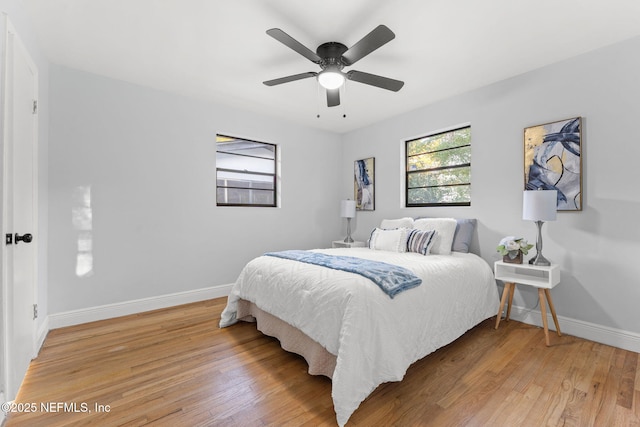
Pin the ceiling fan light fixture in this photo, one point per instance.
(331, 79)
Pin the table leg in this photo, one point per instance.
(512, 288)
(553, 311)
(506, 292)
(543, 311)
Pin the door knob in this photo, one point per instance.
(27, 238)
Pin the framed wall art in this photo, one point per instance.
(363, 184)
(553, 161)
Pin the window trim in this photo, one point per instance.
(250, 172)
(407, 172)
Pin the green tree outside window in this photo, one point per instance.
(439, 169)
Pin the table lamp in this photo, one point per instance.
(348, 210)
(539, 206)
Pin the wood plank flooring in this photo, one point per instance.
(175, 367)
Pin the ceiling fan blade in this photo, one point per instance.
(288, 79)
(380, 36)
(333, 97)
(294, 44)
(375, 80)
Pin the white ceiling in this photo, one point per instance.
(219, 49)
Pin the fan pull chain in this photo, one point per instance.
(318, 99)
(344, 98)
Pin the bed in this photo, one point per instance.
(346, 327)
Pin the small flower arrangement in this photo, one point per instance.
(512, 248)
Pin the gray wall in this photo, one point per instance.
(148, 160)
(597, 247)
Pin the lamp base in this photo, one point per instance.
(348, 239)
(539, 260)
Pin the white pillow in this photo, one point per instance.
(389, 240)
(445, 229)
(388, 224)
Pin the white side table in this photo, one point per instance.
(542, 277)
(343, 244)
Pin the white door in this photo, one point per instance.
(19, 209)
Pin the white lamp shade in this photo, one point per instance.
(539, 205)
(348, 208)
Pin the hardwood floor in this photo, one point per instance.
(175, 367)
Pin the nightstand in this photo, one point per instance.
(542, 277)
(343, 244)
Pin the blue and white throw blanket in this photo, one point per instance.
(392, 279)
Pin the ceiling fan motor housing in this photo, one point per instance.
(331, 54)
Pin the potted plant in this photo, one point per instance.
(512, 249)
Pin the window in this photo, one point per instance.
(245, 172)
(439, 169)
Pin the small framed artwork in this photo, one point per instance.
(553, 161)
(363, 184)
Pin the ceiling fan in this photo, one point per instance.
(332, 57)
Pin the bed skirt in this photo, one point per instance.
(320, 361)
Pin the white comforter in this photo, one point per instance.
(374, 337)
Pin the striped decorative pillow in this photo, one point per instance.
(420, 241)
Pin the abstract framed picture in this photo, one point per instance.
(553, 161)
(363, 184)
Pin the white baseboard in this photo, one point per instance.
(42, 332)
(91, 314)
(598, 333)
